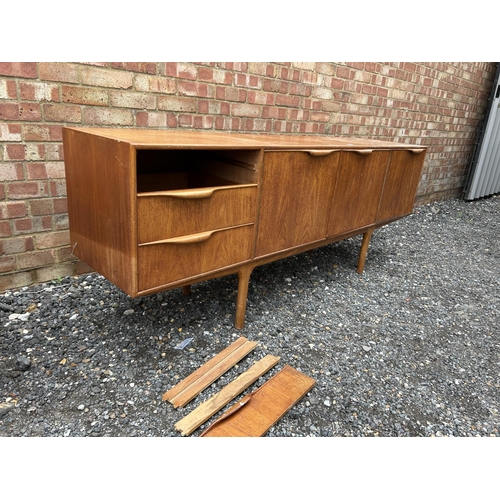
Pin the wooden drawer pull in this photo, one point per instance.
(183, 240)
(364, 152)
(321, 152)
(183, 194)
(417, 151)
(192, 194)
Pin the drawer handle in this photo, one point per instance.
(417, 151)
(321, 152)
(182, 240)
(364, 152)
(191, 194)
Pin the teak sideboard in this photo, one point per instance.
(152, 210)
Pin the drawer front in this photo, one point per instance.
(169, 214)
(162, 263)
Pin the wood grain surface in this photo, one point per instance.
(401, 184)
(100, 182)
(175, 139)
(263, 407)
(167, 214)
(200, 379)
(168, 261)
(358, 189)
(296, 193)
(205, 410)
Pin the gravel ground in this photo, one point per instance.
(409, 348)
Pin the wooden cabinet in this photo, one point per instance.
(153, 210)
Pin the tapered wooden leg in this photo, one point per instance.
(186, 289)
(364, 249)
(241, 304)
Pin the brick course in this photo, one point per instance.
(439, 105)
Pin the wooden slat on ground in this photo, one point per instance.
(205, 410)
(259, 411)
(209, 372)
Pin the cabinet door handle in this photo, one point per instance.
(321, 152)
(183, 240)
(364, 152)
(417, 151)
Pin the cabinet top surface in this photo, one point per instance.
(174, 139)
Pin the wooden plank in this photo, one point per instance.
(211, 406)
(200, 379)
(255, 414)
(212, 375)
(183, 384)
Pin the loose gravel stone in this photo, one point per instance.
(408, 348)
(23, 363)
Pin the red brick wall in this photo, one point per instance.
(435, 104)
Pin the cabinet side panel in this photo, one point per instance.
(401, 183)
(100, 179)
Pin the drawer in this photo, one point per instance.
(168, 214)
(164, 262)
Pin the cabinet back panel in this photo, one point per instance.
(178, 180)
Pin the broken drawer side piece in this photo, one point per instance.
(211, 406)
(191, 386)
(255, 414)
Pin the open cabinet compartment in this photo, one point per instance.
(199, 204)
(168, 170)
